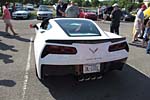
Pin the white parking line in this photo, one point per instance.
(26, 76)
(138, 70)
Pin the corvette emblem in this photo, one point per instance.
(93, 50)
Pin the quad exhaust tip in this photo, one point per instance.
(82, 78)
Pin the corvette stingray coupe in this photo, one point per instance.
(77, 46)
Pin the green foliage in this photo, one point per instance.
(140, 1)
(95, 3)
(46, 2)
(33, 14)
(149, 4)
(123, 3)
(79, 2)
(86, 3)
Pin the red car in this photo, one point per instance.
(88, 13)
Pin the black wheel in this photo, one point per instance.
(42, 75)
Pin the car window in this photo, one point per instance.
(49, 26)
(79, 27)
(29, 5)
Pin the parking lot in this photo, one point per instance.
(18, 79)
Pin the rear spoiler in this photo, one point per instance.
(86, 41)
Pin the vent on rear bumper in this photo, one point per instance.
(119, 46)
(55, 49)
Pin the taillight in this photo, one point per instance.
(119, 46)
(54, 49)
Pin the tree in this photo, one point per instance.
(95, 3)
(79, 2)
(86, 3)
(123, 3)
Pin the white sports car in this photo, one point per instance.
(77, 46)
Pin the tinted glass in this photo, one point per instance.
(79, 27)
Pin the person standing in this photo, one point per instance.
(146, 37)
(138, 23)
(115, 19)
(72, 11)
(148, 46)
(7, 17)
(100, 12)
(60, 11)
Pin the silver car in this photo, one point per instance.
(21, 13)
(44, 12)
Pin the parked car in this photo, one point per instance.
(127, 16)
(77, 46)
(88, 13)
(21, 14)
(30, 6)
(44, 12)
(18, 6)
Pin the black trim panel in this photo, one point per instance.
(86, 41)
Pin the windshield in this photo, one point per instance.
(21, 9)
(79, 27)
(44, 9)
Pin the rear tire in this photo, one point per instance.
(42, 74)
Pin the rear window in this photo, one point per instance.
(79, 27)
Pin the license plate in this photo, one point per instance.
(91, 68)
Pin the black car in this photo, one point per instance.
(126, 16)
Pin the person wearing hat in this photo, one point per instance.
(138, 24)
(115, 19)
(7, 17)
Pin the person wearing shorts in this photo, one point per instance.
(138, 24)
(7, 17)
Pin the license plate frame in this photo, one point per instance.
(91, 68)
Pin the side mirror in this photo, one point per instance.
(34, 26)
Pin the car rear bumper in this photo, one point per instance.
(71, 69)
